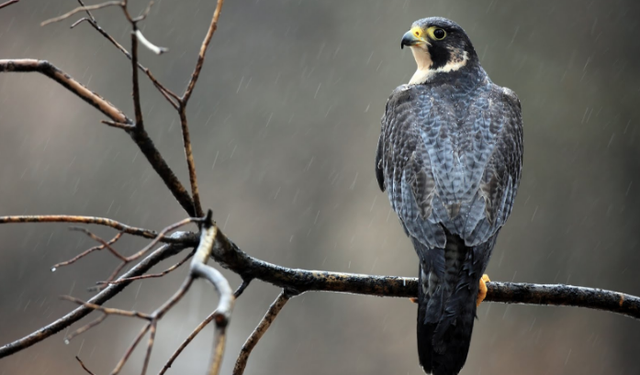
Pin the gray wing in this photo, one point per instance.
(444, 169)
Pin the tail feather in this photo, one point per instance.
(443, 340)
(447, 307)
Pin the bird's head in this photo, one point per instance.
(438, 45)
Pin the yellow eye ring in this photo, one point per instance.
(436, 33)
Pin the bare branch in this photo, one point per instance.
(197, 330)
(81, 9)
(152, 337)
(86, 252)
(46, 68)
(220, 341)
(199, 268)
(203, 50)
(261, 329)
(139, 135)
(109, 310)
(154, 258)
(191, 164)
(85, 328)
(171, 97)
(145, 13)
(299, 281)
(129, 259)
(6, 4)
(103, 242)
(130, 349)
(564, 295)
(83, 366)
(183, 108)
(134, 77)
(84, 220)
(150, 276)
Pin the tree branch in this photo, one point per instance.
(197, 330)
(146, 233)
(7, 3)
(182, 109)
(81, 9)
(168, 94)
(139, 135)
(203, 50)
(154, 258)
(259, 331)
(222, 313)
(299, 281)
(46, 68)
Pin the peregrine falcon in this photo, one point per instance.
(450, 158)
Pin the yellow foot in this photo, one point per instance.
(414, 300)
(482, 293)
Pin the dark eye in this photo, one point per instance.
(439, 34)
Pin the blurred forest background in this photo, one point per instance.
(284, 123)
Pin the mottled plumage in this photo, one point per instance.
(450, 158)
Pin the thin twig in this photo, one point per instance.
(259, 331)
(171, 97)
(108, 310)
(103, 242)
(84, 367)
(142, 232)
(203, 50)
(162, 235)
(145, 13)
(241, 288)
(152, 337)
(137, 108)
(6, 4)
(197, 330)
(46, 68)
(149, 276)
(143, 266)
(85, 328)
(156, 315)
(220, 341)
(139, 136)
(81, 9)
(130, 349)
(129, 259)
(183, 108)
(86, 252)
(191, 164)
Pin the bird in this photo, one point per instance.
(450, 157)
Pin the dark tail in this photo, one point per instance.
(446, 309)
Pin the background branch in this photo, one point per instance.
(139, 135)
(7, 3)
(143, 266)
(259, 331)
(85, 220)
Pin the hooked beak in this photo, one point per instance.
(409, 39)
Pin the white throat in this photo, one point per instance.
(424, 73)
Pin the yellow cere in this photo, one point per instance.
(417, 32)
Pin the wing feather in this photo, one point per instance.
(447, 168)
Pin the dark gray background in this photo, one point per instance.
(284, 122)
